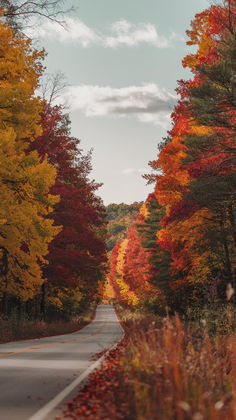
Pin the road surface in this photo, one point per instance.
(34, 372)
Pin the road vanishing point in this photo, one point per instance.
(38, 375)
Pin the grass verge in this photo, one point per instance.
(14, 329)
(164, 369)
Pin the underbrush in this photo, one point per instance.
(165, 370)
(218, 318)
(13, 328)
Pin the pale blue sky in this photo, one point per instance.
(122, 82)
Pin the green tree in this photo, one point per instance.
(160, 259)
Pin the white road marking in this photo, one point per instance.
(51, 405)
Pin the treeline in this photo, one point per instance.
(52, 224)
(181, 251)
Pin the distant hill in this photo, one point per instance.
(120, 217)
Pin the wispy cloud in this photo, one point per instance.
(147, 102)
(122, 33)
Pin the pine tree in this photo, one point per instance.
(159, 259)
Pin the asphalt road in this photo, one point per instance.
(34, 373)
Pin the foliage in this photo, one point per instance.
(129, 266)
(189, 222)
(26, 233)
(118, 211)
(25, 180)
(52, 224)
(159, 259)
(77, 256)
(20, 70)
(119, 217)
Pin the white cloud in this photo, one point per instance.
(122, 33)
(147, 102)
(126, 33)
(73, 30)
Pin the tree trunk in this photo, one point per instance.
(5, 303)
(226, 249)
(232, 221)
(43, 298)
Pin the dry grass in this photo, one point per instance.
(167, 371)
(14, 329)
(180, 373)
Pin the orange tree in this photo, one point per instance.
(196, 166)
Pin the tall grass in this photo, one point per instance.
(179, 373)
(168, 370)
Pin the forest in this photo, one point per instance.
(180, 251)
(52, 223)
(167, 264)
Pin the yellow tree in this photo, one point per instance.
(24, 203)
(25, 180)
(20, 69)
(127, 295)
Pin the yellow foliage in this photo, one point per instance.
(199, 36)
(192, 231)
(121, 256)
(100, 290)
(20, 69)
(200, 130)
(127, 295)
(144, 210)
(25, 181)
(109, 292)
(24, 203)
(58, 297)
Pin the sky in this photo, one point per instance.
(121, 60)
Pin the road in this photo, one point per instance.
(34, 372)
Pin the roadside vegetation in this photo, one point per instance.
(14, 328)
(165, 368)
(173, 269)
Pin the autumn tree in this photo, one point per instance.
(25, 180)
(129, 266)
(20, 70)
(195, 182)
(113, 269)
(25, 233)
(211, 157)
(159, 259)
(77, 256)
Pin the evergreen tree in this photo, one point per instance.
(159, 259)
